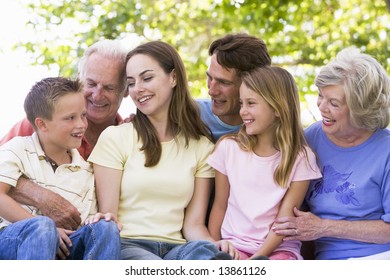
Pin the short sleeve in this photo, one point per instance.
(218, 158)
(11, 167)
(306, 168)
(204, 170)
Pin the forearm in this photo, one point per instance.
(197, 232)
(11, 210)
(270, 244)
(365, 231)
(215, 222)
(28, 193)
(49, 203)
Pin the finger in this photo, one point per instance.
(63, 251)
(237, 255)
(297, 212)
(286, 219)
(223, 247)
(120, 226)
(285, 232)
(60, 254)
(66, 239)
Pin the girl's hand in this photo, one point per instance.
(226, 246)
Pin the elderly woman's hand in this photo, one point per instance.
(304, 226)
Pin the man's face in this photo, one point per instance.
(224, 85)
(102, 88)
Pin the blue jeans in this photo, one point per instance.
(98, 241)
(135, 249)
(29, 239)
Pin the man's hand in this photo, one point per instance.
(61, 211)
(51, 204)
(129, 118)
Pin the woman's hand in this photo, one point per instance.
(107, 217)
(304, 226)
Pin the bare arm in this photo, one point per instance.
(194, 227)
(53, 205)
(218, 209)
(311, 227)
(293, 198)
(9, 208)
(108, 183)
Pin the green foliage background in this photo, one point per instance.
(301, 35)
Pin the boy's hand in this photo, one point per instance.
(65, 242)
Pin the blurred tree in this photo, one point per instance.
(301, 35)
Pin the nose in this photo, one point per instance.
(243, 110)
(97, 91)
(82, 122)
(213, 88)
(321, 104)
(137, 87)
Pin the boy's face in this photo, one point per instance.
(68, 124)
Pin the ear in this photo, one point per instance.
(173, 78)
(40, 124)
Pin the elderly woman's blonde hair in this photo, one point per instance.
(366, 86)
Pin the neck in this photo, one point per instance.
(58, 156)
(231, 119)
(161, 126)
(351, 140)
(265, 146)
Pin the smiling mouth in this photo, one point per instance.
(98, 105)
(247, 121)
(144, 99)
(327, 121)
(78, 135)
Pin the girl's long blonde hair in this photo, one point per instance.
(278, 88)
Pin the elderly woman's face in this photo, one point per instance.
(334, 111)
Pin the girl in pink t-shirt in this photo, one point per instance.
(263, 171)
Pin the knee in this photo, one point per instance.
(203, 244)
(42, 224)
(107, 228)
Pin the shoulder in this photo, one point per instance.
(125, 128)
(202, 142)
(313, 133)
(204, 104)
(313, 128)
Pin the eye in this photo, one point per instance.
(91, 84)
